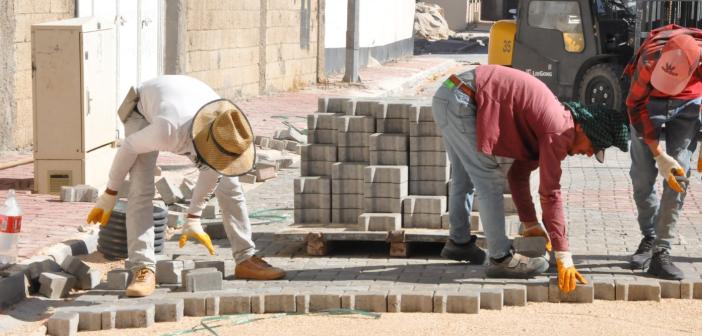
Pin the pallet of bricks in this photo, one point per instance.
(375, 169)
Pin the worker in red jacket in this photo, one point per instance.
(499, 111)
(666, 88)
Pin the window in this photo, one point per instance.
(559, 15)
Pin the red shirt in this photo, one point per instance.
(520, 118)
(640, 69)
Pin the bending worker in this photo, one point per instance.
(499, 111)
(183, 115)
(666, 89)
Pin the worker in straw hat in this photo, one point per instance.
(183, 115)
(496, 111)
(666, 88)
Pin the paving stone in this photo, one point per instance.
(347, 216)
(302, 303)
(321, 120)
(419, 302)
(328, 137)
(686, 289)
(315, 168)
(420, 220)
(202, 279)
(440, 302)
(90, 280)
(644, 291)
(13, 289)
(368, 107)
(312, 201)
(265, 142)
(427, 158)
(63, 323)
(168, 191)
(581, 294)
(247, 178)
(312, 185)
(670, 289)
(339, 104)
(169, 271)
(234, 304)
(358, 124)
(463, 303)
(389, 158)
(437, 188)
(530, 246)
(89, 317)
(414, 204)
(604, 290)
(314, 216)
(347, 171)
(94, 299)
(390, 125)
(109, 319)
(491, 298)
(427, 144)
(168, 309)
(264, 173)
(226, 267)
(348, 301)
(430, 173)
(344, 139)
(621, 290)
(186, 188)
(385, 174)
(277, 144)
(388, 142)
(175, 219)
(515, 295)
(380, 221)
(371, 301)
(280, 303)
(348, 187)
(258, 304)
(320, 302)
(354, 154)
(195, 306)
(424, 128)
(697, 289)
(345, 201)
(212, 305)
(211, 210)
(446, 221)
(395, 111)
(78, 193)
(382, 205)
(59, 252)
(135, 316)
(56, 285)
(312, 152)
(292, 146)
(421, 113)
(385, 190)
(394, 302)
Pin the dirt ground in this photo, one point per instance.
(668, 317)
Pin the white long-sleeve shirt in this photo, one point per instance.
(169, 104)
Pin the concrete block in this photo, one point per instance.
(418, 159)
(686, 289)
(604, 290)
(302, 303)
(345, 215)
(491, 298)
(313, 216)
(175, 219)
(202, 279)
(89, 317)
(463, 303)
(347, 187)
(354, 154)
(644, 291)
(394, 302)
(417, 302)
(424, 128)
(266, 142)
(344, 139)
(247, 178)
(382, 205)
(348, 301)
(358, 124)
(420, 220)
(59, 252)
(339, 104)
(264, 173)
(530, 246)
(168, 191)
(670, 289)
(380, 221)
(388, 158)
(280, 303)
(321, 121)
(315, 168)
(367, 107)
(258, 139)
(35, 266)
(277, 144)
(281, 134)
(430, 173)
(234, 304)
(537, 290)
(118, 279)
(446, 221)
(312, 201)
(211, 210)
(421, 113)
(427, 144)
(63, 323)
(515, 295)
(212, 305)
(90, 280)
(80, 270)
(285, 162)
(388, 142)
(347, 171)
(168, 309)
(258, 304)
(392, 126)
(169, 271)
(186, 188)
(322, 104)
(346, 201)
(395, 111)
(371, 301)
(440, 304)
(436, 188)
(79, 193)
(385, 174)
(435, 205)
(292, 146)
(56, 285)
(621, 290)
(697, 289)
(385, 190)
(135, 316)
(320, 302)
(109, 319)
(328, 137)
(195, 306)
(581, 294)
(226, 267)
(312, 185)
(313, 152)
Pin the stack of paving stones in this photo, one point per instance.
(347, 192)
(312, 200)
(384, 189)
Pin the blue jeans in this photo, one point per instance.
(657, 218)
(471, 170)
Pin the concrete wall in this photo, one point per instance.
(386, 30)
(16, 18)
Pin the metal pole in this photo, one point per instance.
(352, 48)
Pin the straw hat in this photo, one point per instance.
(223, 138)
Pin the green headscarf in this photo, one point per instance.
(604, 127)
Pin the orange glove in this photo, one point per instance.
(567, 274)
(537, 230)
(102, 210)
(193, 229)
(669, 168)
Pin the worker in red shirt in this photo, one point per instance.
(496, 111)
(666, 89)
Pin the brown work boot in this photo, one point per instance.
(143, 283)
(256, 268)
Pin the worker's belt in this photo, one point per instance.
(454, 82)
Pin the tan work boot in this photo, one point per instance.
(256, 268)
(143, 283)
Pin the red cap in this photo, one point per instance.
(679, 59)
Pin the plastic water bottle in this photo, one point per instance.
(10, 225)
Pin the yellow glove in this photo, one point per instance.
(567, 274)
(193, 229)
(668, 168)
(537, 230)
(102, 210)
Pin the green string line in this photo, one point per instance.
(268, 215)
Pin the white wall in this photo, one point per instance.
(381, 22)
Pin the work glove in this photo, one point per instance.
(102, 210)
(567, 274)
(193, 229)
(669, 169)
(538, 230)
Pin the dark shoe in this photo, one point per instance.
(464, 252)
(517, 266)
(662, 267)
(643, 253)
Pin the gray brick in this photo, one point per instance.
(186, 188)
(347, 216)
(392, 126)
(168, 310)
(424, 128)
(55, 285)
(63, 323)
(644, 291)
(581, 294)
(446, 221)
(195, 306)
(258, 304)
(313, 216)
(168, 191)
(697, 289)
(169, 271)
(670, 289)
(312, 201)
(382, 205)
(491, 298)
(292, 146)
(388, 142)
(135, 316)
(394, 302)
(118, 279)
(427, 144)
(417, 302)
(265, 142)
(258, 139)
(421, 113)
(277, 144)
(367, 107)
(440, 304)
(371, 301)
(344, 139)
(621, 290)
(530, 246)
(322, 104)
(175, 219)
(109, 319)
(385, 174)
(389, 158)
(385, 190)
(515, 295)
(212, 305)
(397, 111)
(202, 279)
(430, 173)
(226, 267)
(319, 302)
(435, 205)
(346, 201)
(604, 290)
(234, 304)
(86, 277)
(339, 104)
(328, 137)
(89, 317)
(436, 188)
(212, 210)
(358, 124)
(347, 187)
(420, 220)
(91, 280)
(354, 154)
(59, 252)
(318, 152)
(280, 303)
(79, 193)
(312, 185)
(348, 301)
(380, 221)
(537, 290)
(315, 168)
(318, 121)
(686, 289)
(302, 303)
(347, 171)
(428, 159)
(463, 303)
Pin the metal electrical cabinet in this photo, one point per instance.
(73, 64)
